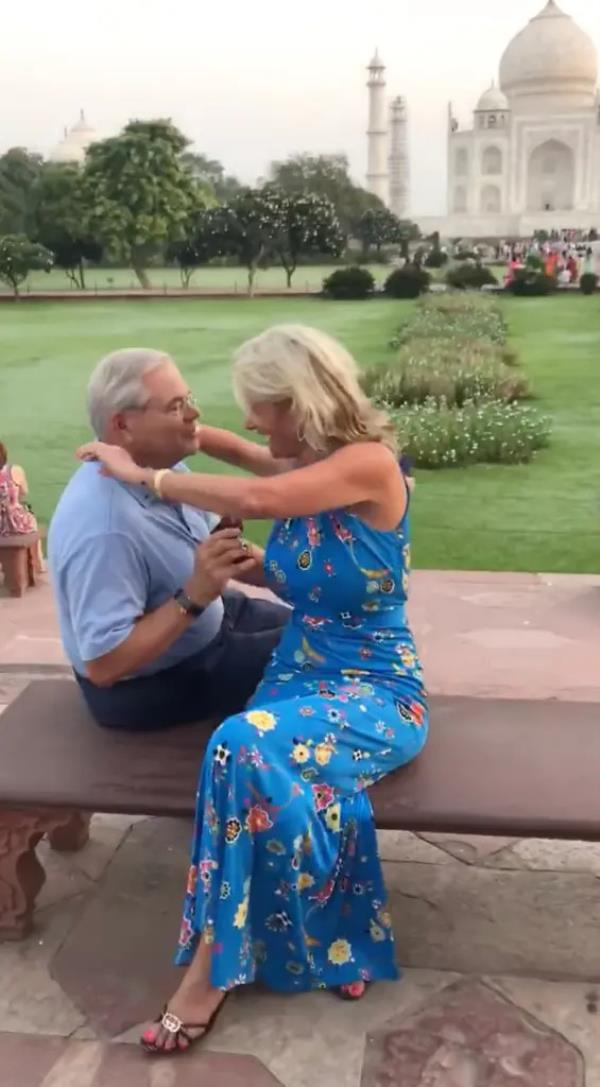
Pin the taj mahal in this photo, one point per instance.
(531, 158)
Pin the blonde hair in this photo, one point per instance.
(319, 378)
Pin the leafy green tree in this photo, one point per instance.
(200, 243)
(309, 224)
(139, 191)
(247, 228)
(211, 173)
(60, 216)
(19, 170)
(18, 257)
(328, 176)
(379, 227)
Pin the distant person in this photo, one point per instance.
(564, 277)
(16, 516)
(573, 268)
(551, 265)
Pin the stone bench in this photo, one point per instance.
(491, 766)
(19, 561)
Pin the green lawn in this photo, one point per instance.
(542, 516)
(307, 278)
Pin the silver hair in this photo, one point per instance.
(117, 384)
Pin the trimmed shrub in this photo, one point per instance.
(459, 316)
(447, 371)
(408, 282)
(588, 283)
(469, 276)
(534, 263)
(492, 432)
(436, 258)
(527, 283)
(349, 283)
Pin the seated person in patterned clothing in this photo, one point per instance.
(148, 623)
(285, 886)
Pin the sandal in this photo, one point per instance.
(178, 1030)
(354, 991)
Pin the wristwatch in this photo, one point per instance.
(187, 605)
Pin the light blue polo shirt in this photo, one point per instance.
(116, 552)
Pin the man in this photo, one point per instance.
(153, 634)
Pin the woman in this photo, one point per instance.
(16, 519)
(285, 884)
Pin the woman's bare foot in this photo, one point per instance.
(194, 1004)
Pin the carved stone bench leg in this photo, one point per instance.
(21, 874)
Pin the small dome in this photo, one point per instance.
(66, 151)
(550, 55)
(75, 142)
(82, 133)
(493, 99)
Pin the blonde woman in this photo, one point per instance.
(285, 885)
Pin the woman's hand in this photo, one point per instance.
(115, 461)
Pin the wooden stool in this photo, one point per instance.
(20, 561)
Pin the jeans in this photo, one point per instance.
(215, 682)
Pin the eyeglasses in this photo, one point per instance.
(177, 407)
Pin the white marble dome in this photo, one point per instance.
(82, 133)
(550, 55)
(493, 99)
(67, 151)
(76, 140)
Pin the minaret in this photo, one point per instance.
(377, 175)
(399, 174)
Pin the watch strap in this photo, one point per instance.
(187, 605)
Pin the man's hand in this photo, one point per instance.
(224, 555)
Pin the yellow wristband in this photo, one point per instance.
(157, 480)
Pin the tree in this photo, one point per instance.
(139, 191)
(309, 224)
(211, 173)
(379, 226)
(18, 257)
(247, 228)
(328, 176)
(200, 243)
(61, 220)
(19, 170)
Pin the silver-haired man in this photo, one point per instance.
(154, 635)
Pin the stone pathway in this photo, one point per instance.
(498, 937)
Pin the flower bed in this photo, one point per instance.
(455, 388)
(491, 432)
(449, 370)
(449, 316)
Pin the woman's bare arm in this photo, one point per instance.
(225, 446)
(357, 475)
(20, 479)
(365, 476)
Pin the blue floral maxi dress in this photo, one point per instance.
(285, 881)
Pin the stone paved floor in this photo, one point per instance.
(498, 937)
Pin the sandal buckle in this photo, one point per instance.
(171, 1023)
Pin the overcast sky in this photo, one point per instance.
(253, 80)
